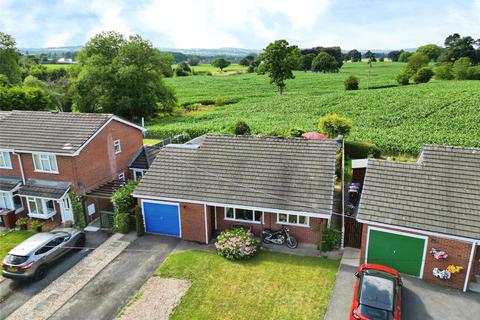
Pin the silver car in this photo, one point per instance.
(32, 258)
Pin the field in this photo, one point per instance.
(57, 66)
(396, 118)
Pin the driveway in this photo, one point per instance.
(14, 294)
(105, 295)
(422, 300)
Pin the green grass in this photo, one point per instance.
(149, 142)
(11, 239)
(396, 118)
(269, 286)
(52, 66)
(216, 71)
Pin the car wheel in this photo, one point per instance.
(41, 272)
(80, 242)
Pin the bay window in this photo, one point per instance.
(243, 215)
(45, 162)
(40, 208)
(5, 162)
(292, 219)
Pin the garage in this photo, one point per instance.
(161, 218)
(402, 251)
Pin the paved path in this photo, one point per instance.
(45, 303)
(105, 295)
(342, 295)
(13, 293)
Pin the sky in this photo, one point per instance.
(248, 24)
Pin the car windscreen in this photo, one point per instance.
(375, 314)
(15, 260)
(377, 292)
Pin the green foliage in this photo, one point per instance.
(458, 47)
(423, 75)
(121, 222)
(140, 228)
(460, 68)
(219, 101)
(306, 61)
(403, 57)
(194, 61)
(4, 80)
(296, 132)
(33, 82)
(432, 51)
(444, 71)
(361, 150)
(36, 224)
(278, 61)
(17, 98)
(247, 60)
(333, 125)
(8, 59)
(415, 62)
(183, 70)
(354, 55)
(77, 209)
(242, 128)
(122, 198)
(403, 78)
(324, 62)
(220, 63)
(236, 244)
(330, 239)
(351, 83)
(395, 55)
(123, 76)
(474, 73)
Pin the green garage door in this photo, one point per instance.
(400, 252)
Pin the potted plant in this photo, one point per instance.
(36, 225)
(22, 223)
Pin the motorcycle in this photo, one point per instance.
(279, 237)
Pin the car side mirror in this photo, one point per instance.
(357, 274)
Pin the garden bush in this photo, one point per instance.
(121, 222)
(77, 209)
(296, 132)
(351, 83)
(403, 78)
(460, 68)
(242, 128)
(444, 72)
(333, 125)
(423, 75)
(361, 150)
(330, 239)
(123, 202)
(139, 222)
(236, 244)
(474, 73)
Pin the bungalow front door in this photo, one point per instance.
(66, 207)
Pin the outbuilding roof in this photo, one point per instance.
(261, 172)
(144, 157)
(439, 193)
(55, 132)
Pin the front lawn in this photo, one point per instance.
(11, 239)
(269, 286)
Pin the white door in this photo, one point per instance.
(67, 212)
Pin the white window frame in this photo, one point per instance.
(121, 177)
(116, 144)
(135, 173)
(52, 162)
(307, 219)
(5, 158)
(242, 220)
(42, 202)
(6, 201)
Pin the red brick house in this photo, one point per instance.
(410, 211)
(44, 155)
(216, 182)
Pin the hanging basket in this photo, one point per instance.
(438, 254)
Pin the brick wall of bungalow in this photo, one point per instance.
(458, 254)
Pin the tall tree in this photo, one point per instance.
(278, 61)
(9, 58)
(121, 75)
(432, 51)
(394, 55)
(324, 62)
(220, 63)
(354, 55)
(306, 61)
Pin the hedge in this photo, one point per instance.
(361, 150)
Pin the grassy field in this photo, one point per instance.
(57, 66)
(269, 286)
(10, 240)
(396, 118)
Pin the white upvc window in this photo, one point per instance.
(293, 219)
(243, 215)
(121, 177)
(137, 174)
(45, 162)
(40, 208)
(117, 146)
(6, 201)
(5, 162)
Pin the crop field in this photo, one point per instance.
(53, 66)
(216, 71)
(396, 118)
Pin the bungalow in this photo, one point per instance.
(422, 217)
(45, 155)
(212, 183)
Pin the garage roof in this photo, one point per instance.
(438, 193)
(292, 174)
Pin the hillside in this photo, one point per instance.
(397, 119)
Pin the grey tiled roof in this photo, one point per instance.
(8, 183)
(265, 172)
(43, 191)
(438, 193)
(145, 157)
(48, 131)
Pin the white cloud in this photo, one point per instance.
(58, 40)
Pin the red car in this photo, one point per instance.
(377, 293)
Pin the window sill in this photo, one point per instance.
(41, 215)
(293, 224)
(245, 221)
(6, 168)
(41, 171)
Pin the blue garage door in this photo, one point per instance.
(161, 218)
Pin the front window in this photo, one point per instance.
(41, 208)
(45, 163)
(5, 162)
(121, 177)
(5, 200)
(292, 219)
(137, 174)
(117, 147)
(243, 215)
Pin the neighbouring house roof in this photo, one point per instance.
(9, 183)
(55, 132)
(144, 158)
(44, 189)
(292, 174)
(439, 193)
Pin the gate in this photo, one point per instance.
(353, 233)
(106, 219)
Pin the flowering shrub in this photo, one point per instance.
(236, 244)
